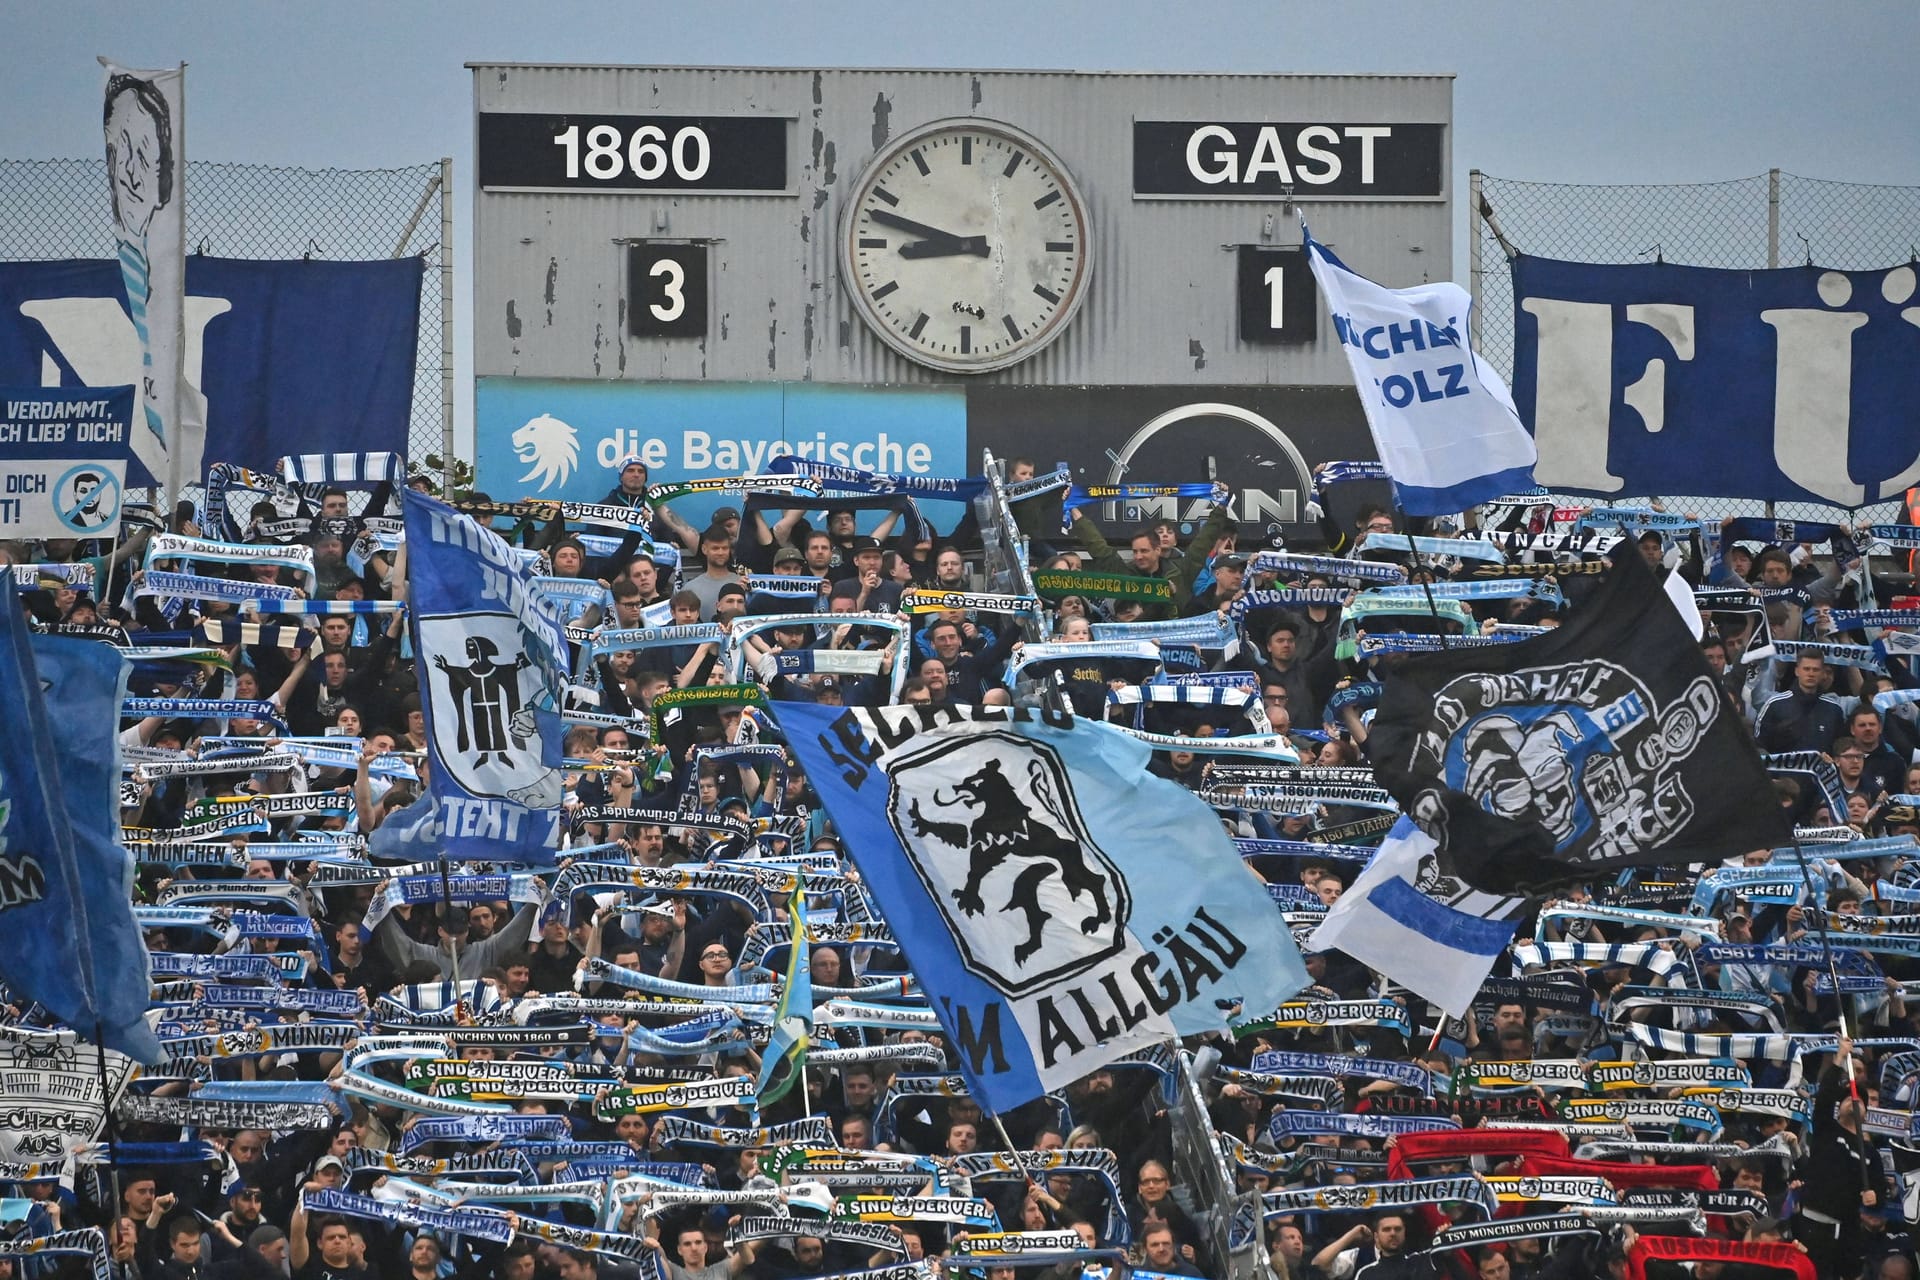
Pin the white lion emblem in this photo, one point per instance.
(551, 449)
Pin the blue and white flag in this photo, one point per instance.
(1432, 934)
(1442, 420)
(492, 660)
(1062, 907)
(67, 934)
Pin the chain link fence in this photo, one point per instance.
(1771, 219)
(51, 209)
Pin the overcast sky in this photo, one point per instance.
(1593, 92)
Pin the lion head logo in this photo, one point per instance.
(550, 448)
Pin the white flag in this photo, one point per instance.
(146, 121)
(1433, 935)
(1444, 422)
(1680, 591)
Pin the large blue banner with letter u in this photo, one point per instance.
(278, 355)
(1796, 384)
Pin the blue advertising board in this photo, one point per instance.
(563, 439)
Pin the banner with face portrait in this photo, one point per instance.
(145, 120)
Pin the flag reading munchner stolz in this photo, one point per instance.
(1442, 419)
(1062, 907)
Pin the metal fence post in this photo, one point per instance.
(1474, 233)
(1773, 218)
(446, 325)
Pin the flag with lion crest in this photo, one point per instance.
(1062, 907)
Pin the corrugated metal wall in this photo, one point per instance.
(549, 269)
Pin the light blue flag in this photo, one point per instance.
(1442, 419)
(1432, 934)
(493, 660)
(67, 933)
(1062, 907)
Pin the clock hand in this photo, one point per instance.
(976, 246)
(886, 219)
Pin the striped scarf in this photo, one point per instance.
(1413, 544)
(332, 608)
(1648, 955)
(1207, 630)
(342, 468)
(225, 631)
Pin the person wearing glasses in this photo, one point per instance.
(716, 965)
(1153, 1205)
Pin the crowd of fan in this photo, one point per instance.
(239, 1215)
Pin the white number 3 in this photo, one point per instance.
(676, 299)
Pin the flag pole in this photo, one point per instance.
(1833, 976)
(1833, 972)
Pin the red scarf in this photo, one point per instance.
(1785, 1257)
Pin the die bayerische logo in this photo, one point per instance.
(993, 830)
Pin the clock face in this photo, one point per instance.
(966, 246)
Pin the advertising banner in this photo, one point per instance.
(1260, 441)
(538, 438)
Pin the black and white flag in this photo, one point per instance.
(1601, 744)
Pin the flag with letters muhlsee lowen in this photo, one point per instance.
(1062, 907)
(492, 660)
(1443, 421)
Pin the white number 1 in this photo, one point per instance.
(1276, 308)
(676, 301)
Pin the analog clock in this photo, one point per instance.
(966, 245)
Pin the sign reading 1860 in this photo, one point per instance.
(1224, 160)
(537, 151)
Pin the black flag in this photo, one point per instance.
(1602, 744)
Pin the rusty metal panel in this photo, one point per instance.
(1161, 307)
